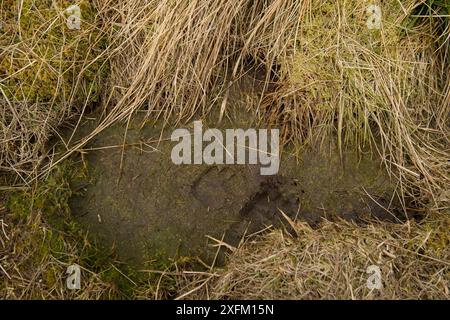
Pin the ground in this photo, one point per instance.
(139, 201)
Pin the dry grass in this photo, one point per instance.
(48, 74)
(185, 53)
(176, 60)
(384, 88)
(331, 262)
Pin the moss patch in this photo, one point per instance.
(43, 60)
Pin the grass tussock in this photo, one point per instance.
(368, 86)
(331, 263)
(186, 52)
(48, 74)
(177, 60)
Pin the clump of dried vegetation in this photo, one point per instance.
(386, 85)
(326, 74)
(331, 263)
(48, 74)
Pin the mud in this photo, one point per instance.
(140, 202)
(147, 208)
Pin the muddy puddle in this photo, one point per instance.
(143, 205)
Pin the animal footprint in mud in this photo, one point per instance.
(212, 187)
(264, 206)
(263, 210)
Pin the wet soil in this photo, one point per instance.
(137, 200)
(143, 205)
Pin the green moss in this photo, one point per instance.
(43, 59)
(339, 61)
(51, 196)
